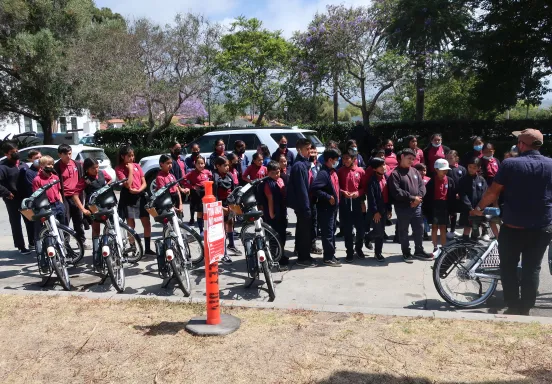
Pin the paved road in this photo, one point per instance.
(365, 283)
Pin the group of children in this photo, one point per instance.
(319, 189)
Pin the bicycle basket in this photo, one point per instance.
(28, 213)
(236, 209)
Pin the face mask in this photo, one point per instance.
(336, 164)
(283, 146)
(195, 154)
(220, 148)
(312, 159)
(36, 162)
(177, 151)
(241, 151)
(477, 147)
(436, 145)
(48, 169)
(388, 151)
(353, 151)
(14, 156)
(487, 157)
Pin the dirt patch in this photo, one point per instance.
(75, 340)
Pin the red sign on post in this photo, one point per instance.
(214, 231)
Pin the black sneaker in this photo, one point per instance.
(226, 259)
(284, 260)
(370, 246)
(234, 251)
(332, 263)
(44, 269)
(512, 311)
(349, 259)
(24, 251)
(150, 252)
(307, 263)
(191, 222)
(361, 254)
(316, 250)
(420, 254)
(407, 257)
(380, 259)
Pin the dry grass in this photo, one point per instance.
(74, 340)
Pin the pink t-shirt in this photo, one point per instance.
(122, 173)
(41, 180)
(254, 172)
(164, 178)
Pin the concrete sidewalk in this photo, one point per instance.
(393, 285)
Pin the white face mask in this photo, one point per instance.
(36, 163)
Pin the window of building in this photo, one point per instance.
(74, 123)
(28, 124)
(63, 124)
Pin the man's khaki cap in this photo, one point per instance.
(530, 136)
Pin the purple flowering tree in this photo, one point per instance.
(354, 59)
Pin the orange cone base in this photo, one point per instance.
(198, 326)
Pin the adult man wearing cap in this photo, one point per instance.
(526, 182)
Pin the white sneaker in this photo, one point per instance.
(485, 238)
(436, 252)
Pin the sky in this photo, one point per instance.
(285, 15)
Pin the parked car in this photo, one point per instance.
(253, 137)
(80, 152)
(87, 140)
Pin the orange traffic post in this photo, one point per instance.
(211, 269)
(214, 324)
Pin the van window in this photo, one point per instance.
(313, 138)
(207, 143)
(250, 139)
(291, 137)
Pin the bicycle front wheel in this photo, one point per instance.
(115, 266)
(453, 282)
(269, 281)
(133, 250)
(271, 237)
(74, 249)
(180, 272)
(59, 266)
(194, 243)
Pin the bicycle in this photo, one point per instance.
(258, 256)
(174, 254)
(116, 249)
(473, 264)
(53, 237)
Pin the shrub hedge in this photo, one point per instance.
(457, 134)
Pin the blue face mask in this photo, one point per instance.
(487, 157)
(477, 147)
(436, 145)
(336, 164)
(353, 151)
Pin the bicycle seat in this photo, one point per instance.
(253, 216)
(163, 216)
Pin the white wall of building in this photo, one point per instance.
(85, 124)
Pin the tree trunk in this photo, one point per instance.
(157, 130)
(47, 128)
(260, 118)
(335, 99)
(420, 95)
(365, 118)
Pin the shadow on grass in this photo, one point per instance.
(163, 328)
(349, 377)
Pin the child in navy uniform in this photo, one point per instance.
(325, 188)
(471, 190)
(456, 173)
(223, 185)
(274, 204)
(437, 201)
(379, 207)
(423, 172)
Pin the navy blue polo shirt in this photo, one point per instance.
(527, 182)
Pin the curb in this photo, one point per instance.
(397, 312)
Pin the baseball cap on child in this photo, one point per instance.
(441, 165)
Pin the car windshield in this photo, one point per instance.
(94, 154)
